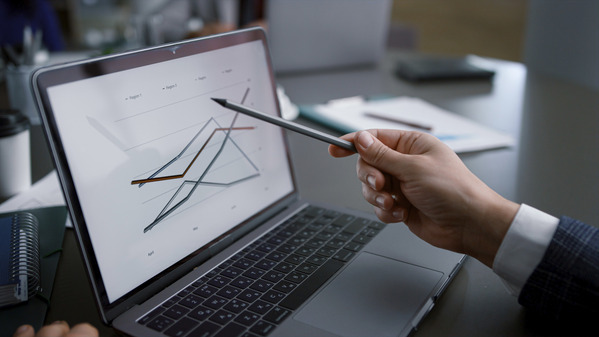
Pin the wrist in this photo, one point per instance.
(489, 226)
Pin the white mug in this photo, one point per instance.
(15, 159)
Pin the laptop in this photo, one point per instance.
(309, 35)
(188, 216)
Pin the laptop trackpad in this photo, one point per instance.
(373, 296)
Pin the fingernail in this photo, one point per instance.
(399, 215)
(22, 328)
(365, 139)
(371, 181)
(380, 201)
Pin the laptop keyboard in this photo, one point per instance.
(258, 288)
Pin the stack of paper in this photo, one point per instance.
(408, 113)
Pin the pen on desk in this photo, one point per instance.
(287, 124)
(400, 121)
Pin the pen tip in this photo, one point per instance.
(220, 101)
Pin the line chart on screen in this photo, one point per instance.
(211, 161)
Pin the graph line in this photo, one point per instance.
(153, 177)
(169, 208)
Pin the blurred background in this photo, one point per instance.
(560, 36)
(485, 27)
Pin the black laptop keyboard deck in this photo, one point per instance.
(258, 288)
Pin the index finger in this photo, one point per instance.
(339, 152)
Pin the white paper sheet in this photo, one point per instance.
(46, 192)
(459, 133)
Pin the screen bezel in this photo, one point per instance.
(45, 78)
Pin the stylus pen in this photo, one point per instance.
(287, 124)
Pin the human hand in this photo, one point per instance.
(415, 178)
(58, 329)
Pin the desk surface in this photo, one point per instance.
(553, 167)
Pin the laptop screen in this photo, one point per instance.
(159, 170)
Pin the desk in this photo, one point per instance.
(555, 167)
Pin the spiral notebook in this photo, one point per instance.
(20, 269)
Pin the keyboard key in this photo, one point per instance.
(326, 251)
(186, 291)
(377, 225)
(285, 267)
(160, 323)
(261, 307)
(266, 247)
(222, 317)
(316, 259)
(297, 240)
(276, 256)
(344, 220)
(265, 264)
(247, 318)
(344, 236)
(232, 329)
(305, 250)
(276, 240)
(295, 259)
(296, 277)
(206, 291)
(356, 226)
(176, 312)
(191, 301)
(219, 281)
(287, 249)
(215, 302)
(307, 268)
(241, 282)
(306, 233)
(277, 315)
(229, 292)
(323, 236)
(181, 328)
(254, 273)
(273, 296)
(354, 246)
(261, 285)
(243, 263)
(206, 329)
(273, 276)
(201, 313)
(255, 255)
(262, 328)
(249, 295)
(285, 286)
(362, 239)
(236, 306)
(336, 243)
(232, 272)
(170, 302)
(344, 255)
(316, 243)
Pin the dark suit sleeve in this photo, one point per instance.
(565, 284)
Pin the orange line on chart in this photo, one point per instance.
(177, 176)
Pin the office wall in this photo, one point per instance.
(493, 28)
(562, 39)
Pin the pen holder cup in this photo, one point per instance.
(20, 95)
(15, 158)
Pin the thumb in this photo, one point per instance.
(379, 155)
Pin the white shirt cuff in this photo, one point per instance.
(523, 247)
